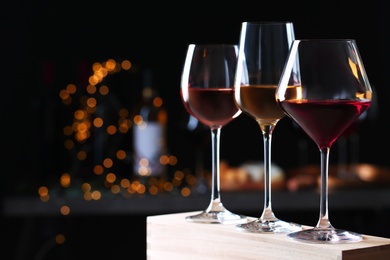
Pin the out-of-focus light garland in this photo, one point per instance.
(100, 156)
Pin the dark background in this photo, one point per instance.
(47, 45)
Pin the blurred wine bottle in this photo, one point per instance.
(149, 132)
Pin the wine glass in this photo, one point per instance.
(207, 92)
(263, 50)
(324, 89)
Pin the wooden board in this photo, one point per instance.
(170, 236)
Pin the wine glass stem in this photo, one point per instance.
(267, 137)
(215, 204)
(323, 221)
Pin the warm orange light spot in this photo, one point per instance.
(98, 169)
(126, 64)
(93, 80)
(104, 90)
(141, 189)
(60, 239)
(96, 195)
(157, 102)
(153, 190)
(82, 127)
(111, 177)
(98, 122)
(115, 189)
(191, 179)
(178, 175)
(65, 180)
(138, 119)
(125, 183)
(91, 102)
(185, 192)
(81, 155)
(111, 130)
(79, 114)
(43, 191)
(164, 159)
(172, 160)
(71, 88)
(44, 198)
(121, 154)
(64, 94)
(96, 66)
(65, 210)
(123, 113)
(99, 74)
(85, 187)
(110, 64)
(91, 89)
(124, 125)
(88, 196)
(108, 163)
(168, 186)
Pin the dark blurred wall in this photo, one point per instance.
(49, 45)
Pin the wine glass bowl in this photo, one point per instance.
(330, 91)
(207, 92)
(263, 50)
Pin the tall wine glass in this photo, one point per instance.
(324, 89)
(263, 50)
(207, 92)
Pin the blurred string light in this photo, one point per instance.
(84, 132)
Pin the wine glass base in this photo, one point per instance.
(218, 217)
(317, 235)
(269, 226)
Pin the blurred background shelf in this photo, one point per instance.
(242, 201)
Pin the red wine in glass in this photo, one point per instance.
(213, 106)
(325, 121)
(207, 92)
(334, 93)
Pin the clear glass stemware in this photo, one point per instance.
(263, 50)
(324, 89)
(207, 92)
